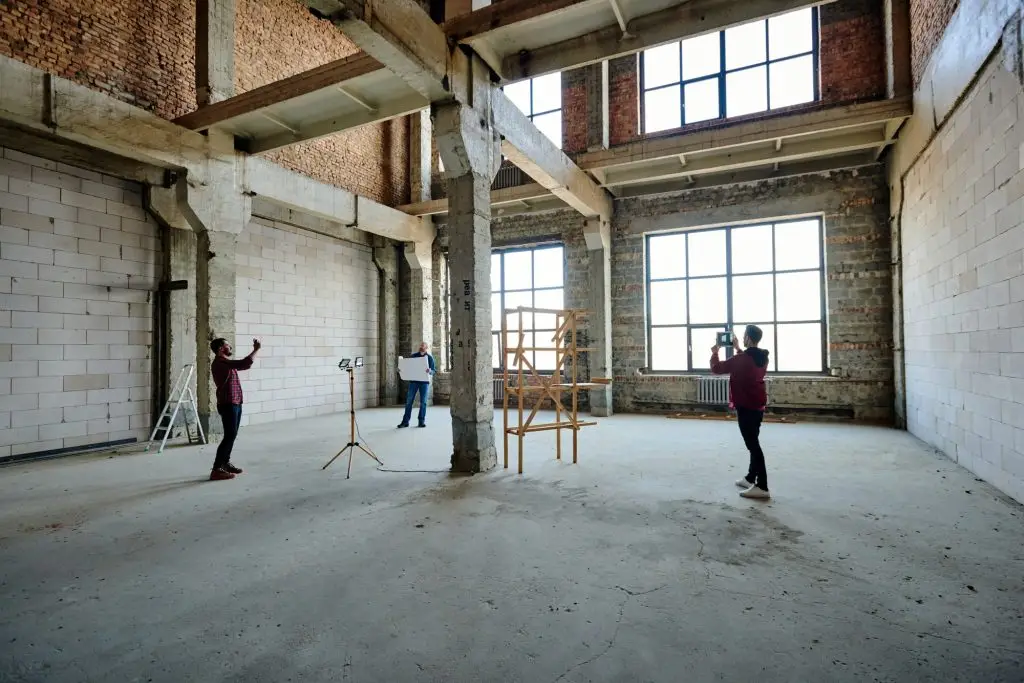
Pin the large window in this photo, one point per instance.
(755, 67)
(534, 278)
(704, 281)
(541, 99)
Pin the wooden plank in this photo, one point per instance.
(328, 75)
(502, 14)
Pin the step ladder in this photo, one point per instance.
(181, 396)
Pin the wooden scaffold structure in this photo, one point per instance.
(564, 345)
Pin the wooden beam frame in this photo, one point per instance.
(334, 73)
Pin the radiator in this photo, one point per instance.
(499, 391)
(713, 390)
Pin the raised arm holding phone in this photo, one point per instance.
(746, 370)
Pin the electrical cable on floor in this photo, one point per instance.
(381, 468)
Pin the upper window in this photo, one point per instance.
(704, 281)
(541, 99)
(751, 68)
(534, 278)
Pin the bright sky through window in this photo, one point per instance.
(534, 278)
(703, 281)
(751, 68)
(541, 99)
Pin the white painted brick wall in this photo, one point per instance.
(78, 259)
(963, 252)
(311, 300)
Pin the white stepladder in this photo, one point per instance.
(183, 391)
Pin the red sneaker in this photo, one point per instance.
(232, 469)
(220, 475)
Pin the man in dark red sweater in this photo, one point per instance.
(746, 372)
(229, 402)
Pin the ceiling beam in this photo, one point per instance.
(401, 35)
(686, 19)
(331, 74)
(760, 155)
(777, 126)
(330, 126)
(504, 197)
(502, 14)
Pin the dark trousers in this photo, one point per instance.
(421, 389)
(231, 417)
(750, 428)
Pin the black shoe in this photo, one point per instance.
(403, 425)
(232, 469)
(422, 425)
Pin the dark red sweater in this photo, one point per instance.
(746, 377)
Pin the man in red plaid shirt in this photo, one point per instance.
(229, 402)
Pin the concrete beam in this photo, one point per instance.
(421, 161)
(215, 51)
(727, 135)
(401, 35)
(328, 75)
(503, 197)
(762, 155)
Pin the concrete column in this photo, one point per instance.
(899, 77)
(215, 51)
(599, 322)
(597, 106)
(385, 257)
(421, 308)
(471, 154)
(439, 296)
(420, 162)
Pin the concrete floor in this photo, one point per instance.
(877, 560)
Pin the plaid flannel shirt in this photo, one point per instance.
(225, 376)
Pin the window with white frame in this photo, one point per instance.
(540, 99)
(701, 282)
(533, 277)
(754, 67)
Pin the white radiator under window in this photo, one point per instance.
(713, 390)
(499, 394)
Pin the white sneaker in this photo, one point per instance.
(744, 483)
(755, 492)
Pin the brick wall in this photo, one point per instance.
(144, 55)
(852, 51)
(276, 39)
(859, 302)
(928, 21)
(312, 300)
(623, 99)
(963, 286)
(78, 263)
(574, 110)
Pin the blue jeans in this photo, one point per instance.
(421, 389)
(231, 417)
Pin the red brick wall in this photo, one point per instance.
(574, 110)
(928, 21)
(852, 40)
(623, 99)
(276, 39)
(142, 53)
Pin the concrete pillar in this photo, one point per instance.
(215, 51)
(597, 106)
(421, 281)
(439, 296)
(420, 161)
(471, 154)
(899, 77)
(385, 257)
(597, 232)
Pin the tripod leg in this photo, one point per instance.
(336, 456)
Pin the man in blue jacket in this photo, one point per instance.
(418, 388)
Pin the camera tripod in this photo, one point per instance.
(352, 443)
